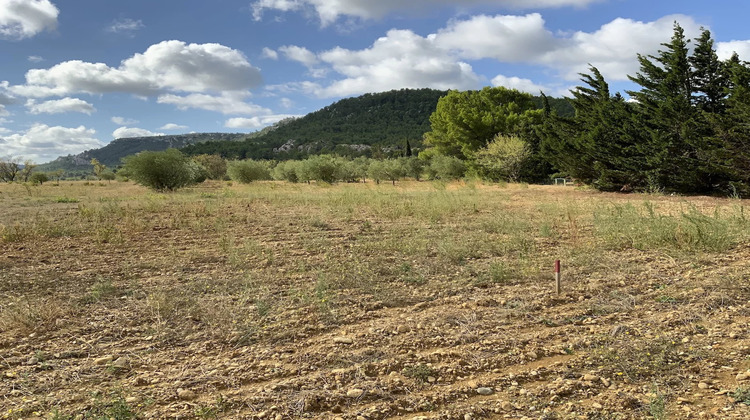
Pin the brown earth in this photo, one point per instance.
(280, 302)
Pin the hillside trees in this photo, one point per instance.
(464, 122)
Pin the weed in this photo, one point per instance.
(420, 372)
(657, 405)
(742, 395)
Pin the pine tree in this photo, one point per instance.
(710, 82)
(665, 104)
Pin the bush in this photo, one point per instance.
(446, 168)
(161, 171)
(287, 171)
(321, 168)
(247, 171)
(215, 165)
(391, 170)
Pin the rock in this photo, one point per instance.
(590, 378)
(403, 329)
(606, 382)
(354, 393)
(506, 406)
(468, 416)
(104, 360)
(703, 385)
(185, 394)
(343, 340)
(597, 406)
(743, 376)
(121, 363)
(532, 355)
(485, 391)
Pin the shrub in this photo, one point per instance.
(161, 171)
(215, 165)
(446, 167)
(247, 171)
(391, 170)
(287, 171)
(321, 168)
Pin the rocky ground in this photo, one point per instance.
(226, 302)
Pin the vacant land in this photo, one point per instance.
(363, 301)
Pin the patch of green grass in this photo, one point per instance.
(742, 395)
(420, 372)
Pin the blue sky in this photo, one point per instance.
(76, 74)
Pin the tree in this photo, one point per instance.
(39, 178)
(504, 158)
(26, 170)
(9, 169)
(464, 122)
(676, 153)
(446, 168)
(162, 171)
(99, 168)
(710, 81)
(388, 169)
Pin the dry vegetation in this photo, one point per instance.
(362, 301)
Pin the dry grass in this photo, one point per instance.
(184, 283)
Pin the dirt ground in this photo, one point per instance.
(275, 301)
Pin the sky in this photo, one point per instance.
(76, 74)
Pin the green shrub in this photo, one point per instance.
(161, 171)
(39, 178)
(287, 171)
(446, 168)
(247, 171)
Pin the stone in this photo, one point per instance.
(485, 391)
(597, 406)
(590, 378)
(104, 360)
(354, 393)
(185, 394)
(703, 385)
(121, 363)
(506, 406)
(343, 340)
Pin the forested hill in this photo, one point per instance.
(345, 127)
(111, 154)
(352, 126)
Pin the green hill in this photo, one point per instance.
(110, 155)
(369, 124)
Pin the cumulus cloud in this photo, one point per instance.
(123, 121)
(229, 103)
(59, 106)
(330, 10)
(173, 127)
(401, 59)
(725, 50)
(299, 54)
(128, 132)
(524, 85)
(269, 53)
(125, 26)
(256, 122)
(42, 143)
(166, 66)
(25, 18)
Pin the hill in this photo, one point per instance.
(353, 126)
(111, 154)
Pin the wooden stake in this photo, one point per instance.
(557, 277)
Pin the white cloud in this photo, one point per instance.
(59, 106)
(166, 66)
(524, 85)
(125, 26)
(127, 132)
(35, 59)
(401, 59)
(173, 126)
(256, 122)
(299, 54)
(3, 112)
(269, 53)
(330, 10)
(286, 103)
(43, 143)
(6, 98)
(725, 50)
(123, 121)
(25, 18)
(229, 103)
